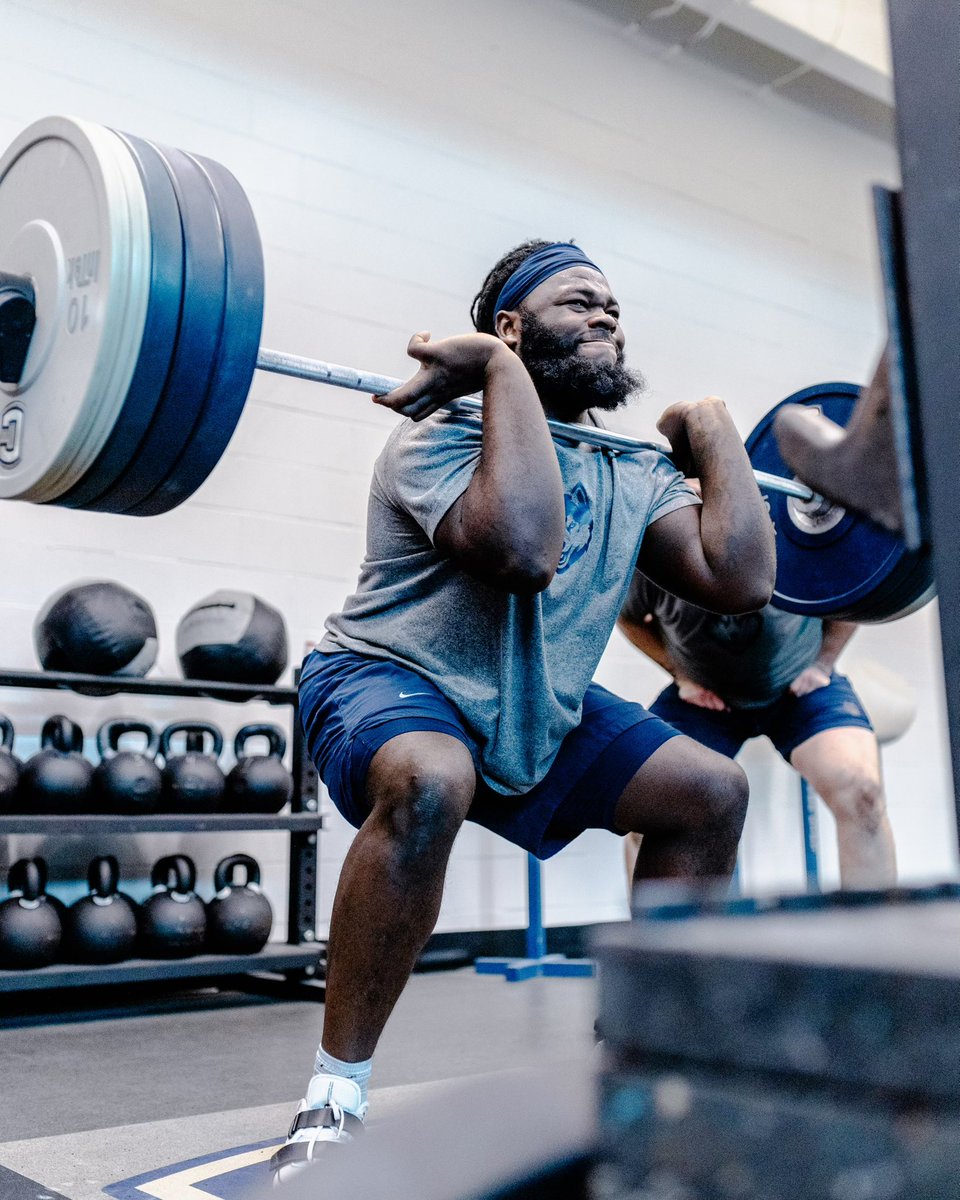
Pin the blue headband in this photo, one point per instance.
(537, 267)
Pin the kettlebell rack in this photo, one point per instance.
(298, 959)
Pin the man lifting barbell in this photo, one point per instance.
(456, 682)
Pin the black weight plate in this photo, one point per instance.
(239, 345)
(159, 336)
(854, 570)
(198, 338)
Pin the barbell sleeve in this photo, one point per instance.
(279, 363)
(323, 372)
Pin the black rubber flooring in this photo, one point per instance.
(184, 1054)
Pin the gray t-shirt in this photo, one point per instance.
(748, 660)
(515, 667)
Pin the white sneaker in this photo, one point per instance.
(331, 1114)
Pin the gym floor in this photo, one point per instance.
(125, 1085)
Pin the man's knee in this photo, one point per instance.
(856, 798)
(420, 793)
(726, 793)
(694, 790)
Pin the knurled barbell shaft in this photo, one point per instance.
(312, 369)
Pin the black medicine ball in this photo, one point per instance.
(232, 637)
(96, 628)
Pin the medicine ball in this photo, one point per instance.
(96, 628)
(232, 637)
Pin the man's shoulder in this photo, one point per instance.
(437, 430)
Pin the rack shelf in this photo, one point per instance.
(109, 685)
(159, 823)
(275, 957)
(299, 957)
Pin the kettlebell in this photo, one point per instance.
(127, 781)
(239, 916)
(30, 929)
(102, 926)
(17, 880)
(11, 769)
(57, 778)
(259, 783)
(192, 781)
(173, 921)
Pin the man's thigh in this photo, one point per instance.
(836, 757)
(678, 789)
(353, 706)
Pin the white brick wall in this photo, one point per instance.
(391, 153)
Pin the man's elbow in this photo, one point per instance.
(516, 570)
(751, 585)
(527, 576)
(749, 594)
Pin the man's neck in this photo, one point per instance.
(581, 418)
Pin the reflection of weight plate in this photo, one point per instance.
(70, 223)
(239, 343)
(159, 335)
(831, 562)
(198, 339)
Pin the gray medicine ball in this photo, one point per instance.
(96, 628)
(232, 637)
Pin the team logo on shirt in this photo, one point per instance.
(578, 527)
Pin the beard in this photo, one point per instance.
(568, 382)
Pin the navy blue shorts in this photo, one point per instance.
(787, 722)
(351, 705)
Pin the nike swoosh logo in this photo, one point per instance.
(407, 695)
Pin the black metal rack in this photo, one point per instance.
(298, 959)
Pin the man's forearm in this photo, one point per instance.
(836, 634)
(643, 635)
(736, 532)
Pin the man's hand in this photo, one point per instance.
(693, 693)
(810, 680)
(673, 426)
(450, 368)
(721, 555)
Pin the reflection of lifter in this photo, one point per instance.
(771, 673)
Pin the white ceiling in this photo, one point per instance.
(832, 55)
(854, 27)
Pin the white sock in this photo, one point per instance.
(358, 1072)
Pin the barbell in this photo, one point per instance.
(131, 307)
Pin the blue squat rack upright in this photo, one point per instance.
(536, 960)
